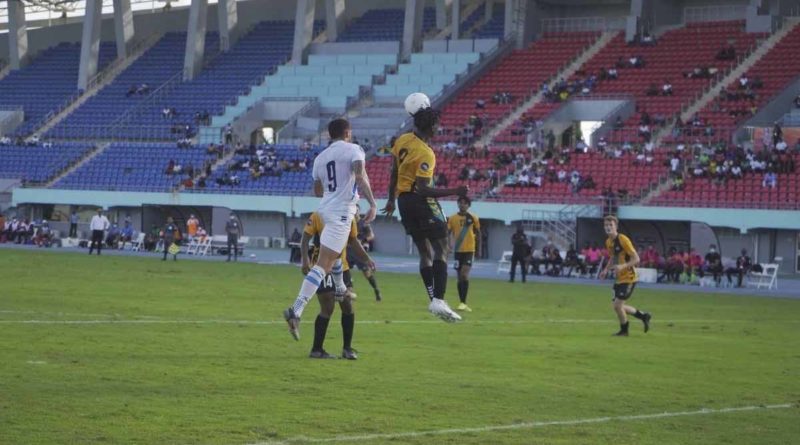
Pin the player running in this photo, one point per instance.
(338, 175)
(620, 247)
(412, 185)
(465, 241)
(327, 290)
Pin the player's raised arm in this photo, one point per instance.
(366, 190)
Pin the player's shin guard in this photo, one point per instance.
(439, 279)
(348, 322)
(427, 280)
(320, 329)
(338, 276)
(463, 288)
(310, 284)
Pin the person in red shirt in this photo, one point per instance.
(694, 264)
(651, 258)
(674, 266)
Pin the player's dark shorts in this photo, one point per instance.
(623, 291)
(422, 217)
(355, 263)
(327, 285)
(464, 259)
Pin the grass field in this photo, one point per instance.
(124, 350)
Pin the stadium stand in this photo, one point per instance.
(38, 164)
(142, 167)
(739, 101)
(286, 171)
(425, 72)
(48, 83)
(519, 75)
(383, 25)
(494, 27)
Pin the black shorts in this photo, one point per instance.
(327, 285)
(623, 291)
(463, 259)
(422, 217)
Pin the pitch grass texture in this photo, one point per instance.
(522, 356)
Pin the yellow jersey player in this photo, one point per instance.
(412, 185)
(326, 293)
(465, 240)
(621, 248)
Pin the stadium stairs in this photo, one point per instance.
(102, 79)
(767, 60)
(531, 102)
(100, 147)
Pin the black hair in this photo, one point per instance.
(465, 199)
(426, 120)
(337, 128)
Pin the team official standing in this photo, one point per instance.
(520, 253)
(98, 226)
(234, 230)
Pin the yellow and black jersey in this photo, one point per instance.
(465, 229)
(414, 159)
(622, 248)
(314, 227)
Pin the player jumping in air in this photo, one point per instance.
(412, 184)
(338, 175)
(620, 247)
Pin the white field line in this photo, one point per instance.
(154, 320)
(522, 426)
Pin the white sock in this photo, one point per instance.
(338, 276)
(310, 284)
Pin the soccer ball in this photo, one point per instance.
(415, 102)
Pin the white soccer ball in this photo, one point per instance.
(415, 102)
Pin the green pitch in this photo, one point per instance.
(196, 353)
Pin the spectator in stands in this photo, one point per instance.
(678, 183)
(143, 89)
(770, 180)
(742, 267)
(170, 167)
(613, 74)
(537, 180)
(736, 171)
(524, 179)
(666, 88)
(5, 140)
(480, 104)
(636, 61)
(744, 82)
(98, 225)
(644, 132)
(781, 146)
(727, 53)
(713, 264)
(648, 39)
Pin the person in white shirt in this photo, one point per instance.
(339, 173)
(781, 146)
(98, 226)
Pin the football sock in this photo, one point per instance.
(310, 284)
(427, 279)
(320, 329)
(373, 283)
(639, 314)
(439, 279)
(463, 288)
(623, 327)
(348, 321)
(338, 276)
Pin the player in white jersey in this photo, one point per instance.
(339, 173)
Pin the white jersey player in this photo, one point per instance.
(339, 173)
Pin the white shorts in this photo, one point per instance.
(337, 229)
